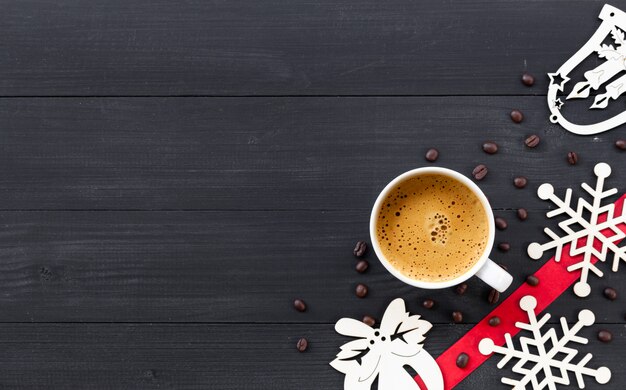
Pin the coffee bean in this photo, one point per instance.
(532, 141)
(367, 320)
(490, 147)
(302, 345)
(532, 280)
(528, 79)
(504, 267)
(362, 266)
(517, 116)
(610, 293)
(428, 303)
(494, 297)
(432, 155)
(457, 317)
(572, 158)
(504, 246)
(520, 182)
(461, 288)
(480, 172)
(494, 321)
(360, 248)
(361, 290)
(462, 360)
(620, 144)
(605, 336)
(522, 214)
(299, 305)
(501, 223)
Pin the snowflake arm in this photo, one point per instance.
(545, 360)
(581, 233)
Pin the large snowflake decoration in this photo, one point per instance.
(553, 360)
(602, 226)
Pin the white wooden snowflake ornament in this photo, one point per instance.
(590, 229)
(383, 352)
(611, 58)
(553, 359)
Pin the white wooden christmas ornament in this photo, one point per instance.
(553, 359)
(383, 352)
(590, 229)
(612, 59)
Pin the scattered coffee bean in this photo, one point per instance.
(620, 144)
(462, 360)
(490, 147)
(504, 246)
(532, 280)
(494, 321)
(532, 141)
(610, 293)
(572, 158)
(501, 223)
(299, 305)
(428, 303)
(432, 155)
(517, 116)
(302, 344)
(367, 320)
(360, 248)
(504, 267)
(605, 336)
(494, 297)
(528, 79)
(520, 182)
(361, 290)
(522, 214)
(457, 317)
(461, 288)
(362, 266)
(480, 172)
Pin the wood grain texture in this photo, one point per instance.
(284, 47)
(146, 356)
(229, 267)
(174, 174)
(273, 153)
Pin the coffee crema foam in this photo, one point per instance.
(432, 228)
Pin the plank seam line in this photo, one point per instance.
(229, 323)
(263, 96)
(219, 210)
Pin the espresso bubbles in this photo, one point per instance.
(432, 228)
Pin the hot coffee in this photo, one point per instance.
(432, 228)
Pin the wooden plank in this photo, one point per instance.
(285, 47)
(273, 153)
(227, 267)
(146, 356)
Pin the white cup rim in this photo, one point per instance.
(440, 171)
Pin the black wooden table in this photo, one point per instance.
(173, 174)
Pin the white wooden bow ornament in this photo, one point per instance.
(383, 352)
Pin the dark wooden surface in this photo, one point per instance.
(174, 174)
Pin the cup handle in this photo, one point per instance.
(495, 276)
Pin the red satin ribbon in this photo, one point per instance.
(554, 279)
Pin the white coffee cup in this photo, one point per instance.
(487, 270)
